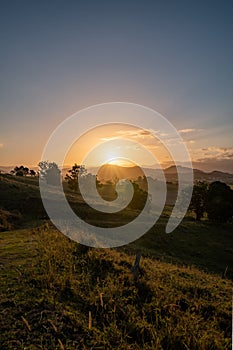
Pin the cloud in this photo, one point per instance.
(132, 133)
(145, 133)
(190, 135)
(1, 145)
(213, 158)
(109, 138)
(216, 153)
(154, 140)
(186, 131)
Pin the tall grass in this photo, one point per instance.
(59, 295)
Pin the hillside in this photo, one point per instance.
(199, 175)
(21, 196)
(204, 245)
(55, 295)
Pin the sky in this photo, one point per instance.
(58, 57)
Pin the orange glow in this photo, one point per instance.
(121, 162)
(97, 136)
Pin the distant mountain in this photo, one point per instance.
(111, 172)
(199, 175)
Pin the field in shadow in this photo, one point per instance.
(56, 294)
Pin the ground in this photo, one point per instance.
(55, 294)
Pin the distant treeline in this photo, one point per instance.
(213, 201)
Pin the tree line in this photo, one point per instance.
(23, 171)
(213, 201)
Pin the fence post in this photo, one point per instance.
(136, 268)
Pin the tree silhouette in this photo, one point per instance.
(50, 172)
(73, 175)
(139, 197)
(220, 202)
(20, 171)
(32, 172)
(199, 199)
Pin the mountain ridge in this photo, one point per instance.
(108, 171)
(111, 171)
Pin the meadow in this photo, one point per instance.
(57, 294)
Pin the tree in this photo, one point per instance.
(50, 172)
(220, 202)
(32, 172)
(139, 197)
(73, 175)
(20, 171)
(199, 199)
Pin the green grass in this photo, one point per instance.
(54, 295)
(21, 195)
(201, 244)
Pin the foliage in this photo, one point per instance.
(216, 199)
(139, 197)
(50, 172)
(73, 175)
(32, 172)
(20, 171)
(138, 201)
(220, 202)
(199, 199)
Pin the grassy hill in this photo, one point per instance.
(21, 195)
(204, 245)
(54, 294)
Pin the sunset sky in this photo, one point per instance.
(58, 57)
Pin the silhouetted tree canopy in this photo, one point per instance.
(199, 199)
(73, 175)
(50, 172)
(20, 171)
(219, 202)
(139, 197)
(32, 172)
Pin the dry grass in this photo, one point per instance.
(56, 295)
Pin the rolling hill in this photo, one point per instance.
(109, 172)
(56, 294)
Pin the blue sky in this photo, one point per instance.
(173, 56)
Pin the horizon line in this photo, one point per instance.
(123, 166)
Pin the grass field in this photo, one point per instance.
(57, 295)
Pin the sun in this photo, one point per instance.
(109, 143)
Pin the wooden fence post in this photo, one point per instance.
(136, 268)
